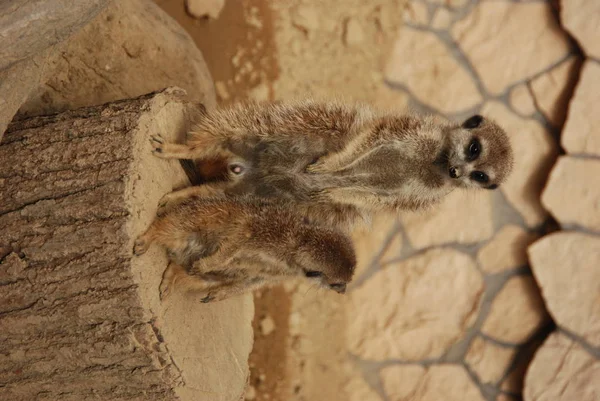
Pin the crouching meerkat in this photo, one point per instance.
(337, 162)
(222, 247)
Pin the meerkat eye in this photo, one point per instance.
(473, 150)
(312, 273)
(479, 176)
(473, 122)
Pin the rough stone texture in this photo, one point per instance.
(16, 83)
(566, 264)
(416, 13)
(552, 90)
(580, 134)
(204, 8)
(370, 241)
(137, 49)
(534, 152)
(27, 27)
(410, 321)
(522, 100)
(513, 382)
(437, 80)
(506, 251)
(441, 382)
(81, 317)
(562, 371)
(438, 225)
(501, 51)
(488, 360)
(582, 19)
(519, 303)
(570, 195)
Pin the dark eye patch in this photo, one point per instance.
(313, 273)
(493, 186)
(472, 122)
(479, 176)
(473, 150)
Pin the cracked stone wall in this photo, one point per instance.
(480, 298)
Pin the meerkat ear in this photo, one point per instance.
(472, 122)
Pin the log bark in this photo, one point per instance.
(80, 316)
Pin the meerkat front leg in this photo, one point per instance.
(229, 289)
(212, 190)
(337, 161)
(208, 148)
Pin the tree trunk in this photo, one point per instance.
(80, 316)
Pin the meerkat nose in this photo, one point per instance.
(340, 288)
(453, 172)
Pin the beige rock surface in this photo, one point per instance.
(562, 371)
(552, 90)
(569, 195)
(416, 13)
(204, 8)
(441, 19)
(488, 360)
(519, 303)
(370, 240)
(534, 152)
(582, 19)
(438, 225)
(522, 101)
(580, 134)
(137, 49)
(565, 265)
(506, 251)
(396, 315)
(437, 80)
(502, 52)
(438, 382)
(28, 27)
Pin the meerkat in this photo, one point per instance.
(337, 162)
(223, 247)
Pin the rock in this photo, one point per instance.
(370, 241)
(513, 383)
(579, 17)
(441, 19)
(534, 152)
(416, 13)
(570, 197)
(396, 315)
(508, 41)
(522, 100)
(438, 225)
(387, 98)
(137, 49)
(437, 80)
(565, 265)
(580, 132)
(16, 84)
(28, 27)
(488, 360)
(267, 325)
(438, 382)
(204, 8)
(506, 251)
(355, 387)
(306, 18)
(450, 3)
(354, 34)
(562, 371)
(250, 393)
(552, 90)
(517, 312)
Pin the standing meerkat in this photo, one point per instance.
(222, 247)
(337, 161)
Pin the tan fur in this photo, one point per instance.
(337, 162)
(222, 247)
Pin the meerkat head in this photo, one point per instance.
(478, 153)
(326, 257)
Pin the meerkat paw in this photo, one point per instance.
(208, 298)
(315, 168)
(157, 142)
(322, 195)
(163, 205)
(140, 246)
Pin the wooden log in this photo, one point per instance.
(80, 316)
